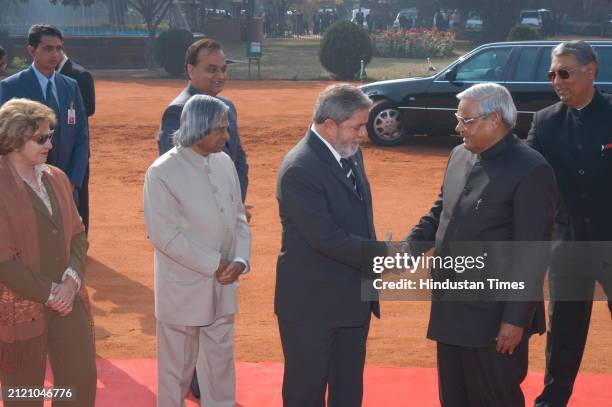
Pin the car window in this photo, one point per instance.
(526, 64)
(544, 65)
(604, 66)
(486, 66)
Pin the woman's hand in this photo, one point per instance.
(63, 297)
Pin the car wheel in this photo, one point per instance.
(384, 125)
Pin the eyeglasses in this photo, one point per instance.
(563, 73)
(42, 138)
(468, 121)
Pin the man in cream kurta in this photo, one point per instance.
(195, 220)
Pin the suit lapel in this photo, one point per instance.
(30, 82)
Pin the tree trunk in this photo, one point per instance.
(149, 57)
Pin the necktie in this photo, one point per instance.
(348, 171)
(50, 100)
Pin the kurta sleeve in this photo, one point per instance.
(161, 209)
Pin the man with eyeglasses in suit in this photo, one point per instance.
(574, 137)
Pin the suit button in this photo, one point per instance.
(581, 171)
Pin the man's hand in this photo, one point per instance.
(508, 337)
(63, 297)
(247, 212)
(231, 273)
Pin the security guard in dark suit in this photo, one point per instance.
(86, 85)
(498, 194)
(575, 137)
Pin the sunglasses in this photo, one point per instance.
(43, 138)
(468, 121)
(563, 74)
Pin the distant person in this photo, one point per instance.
(43, 252)
(3, 61)
(369, 22)
(359, 18)
(41, 83)
(205, 65)
(403, 22)
(86, 85)
(197, 225)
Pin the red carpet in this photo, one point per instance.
(133, 383)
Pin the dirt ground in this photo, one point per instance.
(273, 116)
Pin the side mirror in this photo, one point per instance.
(450, 75)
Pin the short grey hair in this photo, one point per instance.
(200, 114)
(339, 102)
(492, 98)
(582, 51)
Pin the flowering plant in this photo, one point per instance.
(413, 43)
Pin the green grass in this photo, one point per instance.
(299, 60)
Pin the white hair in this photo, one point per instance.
(200, 114)
(492, 98)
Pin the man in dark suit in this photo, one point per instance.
(205, 65)
(498, 194)
(41, 83)
(325, 207)
(574, 136)
(86, 85)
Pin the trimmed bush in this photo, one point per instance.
(170, 48)
(524, 33)
(343, 47)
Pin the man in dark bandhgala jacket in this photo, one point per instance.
(575, 136)
(496, 192)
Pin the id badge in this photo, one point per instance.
(71, 115)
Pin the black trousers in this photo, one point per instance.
(320, 357)
(481, 377)
(568, 330)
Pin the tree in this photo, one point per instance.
(152, 11)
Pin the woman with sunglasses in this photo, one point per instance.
(44, 310)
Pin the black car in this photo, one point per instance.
(403, 107)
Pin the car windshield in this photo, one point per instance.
(529, 14)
